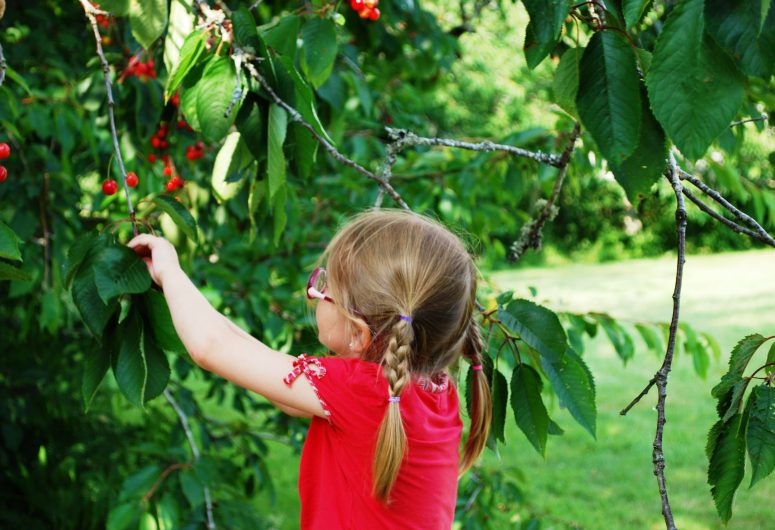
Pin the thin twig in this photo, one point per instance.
(740, 215)
(295, 116)
(238, 56)
(531, 234)
(91, 13)
(763, 117)
(3, 66)
(720, 218)
(194, 450)
(164, 475)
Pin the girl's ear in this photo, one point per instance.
(361, 337)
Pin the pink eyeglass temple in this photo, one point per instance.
(314, 293)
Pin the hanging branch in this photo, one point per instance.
(531, 234)
(194, 451)
(91, 13)
(660, 378)
(742, 217)
(720, 218)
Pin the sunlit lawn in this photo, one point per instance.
(609, 483)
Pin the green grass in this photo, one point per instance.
(609, 483)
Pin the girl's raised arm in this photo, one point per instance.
(217, 344)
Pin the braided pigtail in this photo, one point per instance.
(391, 442)
(481, 401)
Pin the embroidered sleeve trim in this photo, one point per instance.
(312, 369)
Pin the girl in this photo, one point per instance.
(395, 306)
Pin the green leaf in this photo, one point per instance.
(694, 87)
(190, 52)
(547, 17)
(94, 311)
(190, 92)
(179, 31)
(157, 367)
(7, 272)
(282, 36)
(214, 94)
(119, 270)
(251, 123)
(158, 322)
(9, 243)
(729, 404)
(123, 516)
(192, 488)
(179, 215)
(148, 18)
(608, 98)
(620, 339)
(566, 80)
(129, 365)
(537, 326)
(229, 170)
(712, 343)
(639, 171)
(650, 337)
(279, 214)
(529, 410)
(117, 7)
(634, 11)
(245, 31)
(737, 28)
(500, 400)
(727, 464)
(771, 359)
(78, 252)
(275, 167)
(319, 46)
(95, 367)
(575, 387)
(303, 99)
(761, 432)
(536, 50)
(738, 361)
(700, 357)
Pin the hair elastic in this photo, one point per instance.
(394, 399)
(476, 367)
(405, 317)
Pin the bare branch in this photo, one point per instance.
(194, 451)
(91, 13)
(403, 138)
(720, 218)
(531, 234)
(763, 117)
(295, 116)
(3, 66)
(741, 216)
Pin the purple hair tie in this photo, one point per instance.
(477, 368)
(405, 317)
(394, 399)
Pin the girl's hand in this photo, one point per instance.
(158, 254)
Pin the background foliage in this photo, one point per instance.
(262, 198)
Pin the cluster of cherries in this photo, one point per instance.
(366, 8)
(142, 70)
(5, 152)
(103, 21)
(110, 186)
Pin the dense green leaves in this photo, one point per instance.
(634, 11)
(275, 167)
(537, 326)
(738, 362)
(743, 31)
(608, 98)
(543, 31)
(190, 51)
(7, 272)
(179, 215)
(529, 411)
(694, 87)
(319, 49)
(120, 271)
(148, 19)
(95, 367)
(566, 80)
(159, 322)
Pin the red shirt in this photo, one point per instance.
(335, 480)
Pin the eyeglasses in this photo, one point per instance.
(316, 286)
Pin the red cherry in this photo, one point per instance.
(374, 15)
(165, 159)
(131, 179)
(191, 154)
(357, 4)
(177, 181)
(170, 185)
(167, 171)
(109, 187)
(366, 12)
(3, 173)
(371, 3)
(152, 158)
(5, 151)
(164, 144)
(155, 142)
(176, 101)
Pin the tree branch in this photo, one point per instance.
(660, 378)
(3, 66)
(531, 233)
(764, 236)
(91, 13)
(194, 451)
(763, 117)
(720, 218)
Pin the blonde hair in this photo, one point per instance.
(388, 263)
